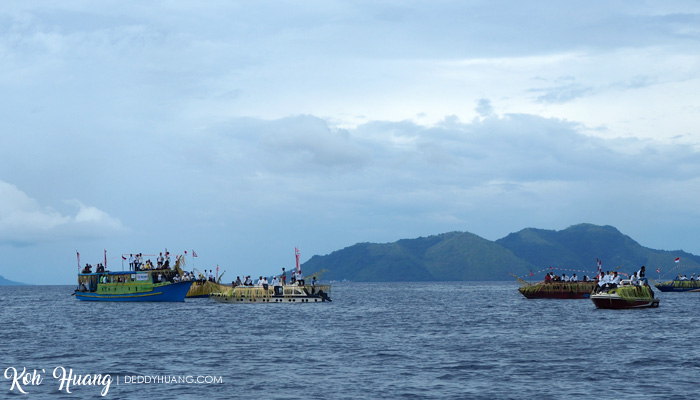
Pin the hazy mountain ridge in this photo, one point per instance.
(466, 256)
(7, 282)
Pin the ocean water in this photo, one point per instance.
(454, 340)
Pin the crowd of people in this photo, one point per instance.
(276, 281)
(551, 277)
(685, 278)
(609, 279)
(136, 262)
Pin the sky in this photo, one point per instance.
(241, 130)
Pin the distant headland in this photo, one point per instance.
(7, 282)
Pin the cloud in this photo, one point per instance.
(484, 108)
(561, 94)
(23, 221)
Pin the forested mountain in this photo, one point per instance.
(466, 256)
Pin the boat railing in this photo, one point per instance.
(255, 292)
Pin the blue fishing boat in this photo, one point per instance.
(150, 285)
(679, 285)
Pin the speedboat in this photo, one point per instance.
(625, 295)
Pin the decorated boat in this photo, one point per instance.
(625, 296)
(202, 289)
(275, 294)
(153, 285)
(143, 283)
(678, 285)
(557, 290)
(296, 292)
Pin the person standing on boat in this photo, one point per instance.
(284, 277)
(160, 260)
(640, 275)
(276, 285)
(131, 263)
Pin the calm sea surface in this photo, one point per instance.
(398, 340)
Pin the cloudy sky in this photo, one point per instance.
(243, 129)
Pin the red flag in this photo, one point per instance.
(678, 259)
(123, 258)
(297, 254)
(185, 252)
(193, 254)
(658, 270)
(105, 258)
(531, 274)
(76, 252)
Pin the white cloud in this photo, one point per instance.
(24, 221)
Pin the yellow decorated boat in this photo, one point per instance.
(276, 294)
(557, 290)
(205, 288)
(296, 292)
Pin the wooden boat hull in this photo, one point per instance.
(618, 303)
(167, 292)
(273, 299)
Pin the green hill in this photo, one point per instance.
(464, 256)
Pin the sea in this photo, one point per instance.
(444, 340)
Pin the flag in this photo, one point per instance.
(185, 252)
(678, 259)
(531, 274)
(658, 270)
(194, 254)
(105, 258)
(297, 254)
(76, 252)
(123, 258)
